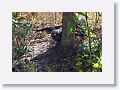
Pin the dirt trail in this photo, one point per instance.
(48, 55)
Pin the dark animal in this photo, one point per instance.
(56, 34)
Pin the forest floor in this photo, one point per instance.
(48, 55)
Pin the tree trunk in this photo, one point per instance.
(67, 41)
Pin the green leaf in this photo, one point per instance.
(96, 65)
(81, 27)
(81, 13)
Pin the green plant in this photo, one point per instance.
(89, 58)
(20, 36)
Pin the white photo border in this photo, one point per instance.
(104, 77)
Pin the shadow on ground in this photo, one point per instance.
(54, 60)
